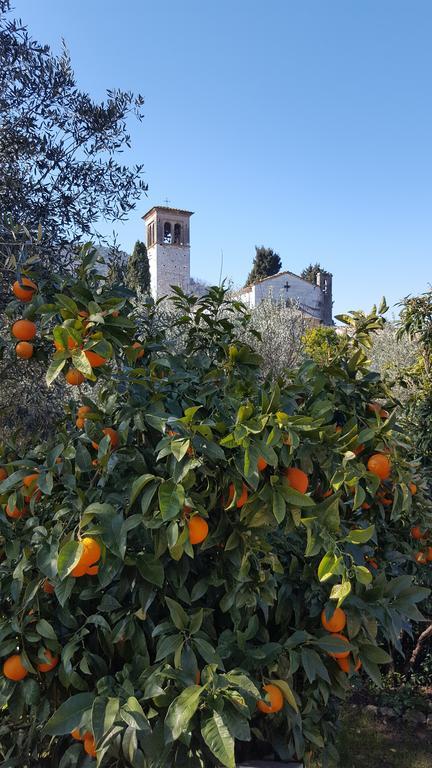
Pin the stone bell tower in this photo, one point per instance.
(168, 249)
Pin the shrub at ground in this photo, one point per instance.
(197, 563)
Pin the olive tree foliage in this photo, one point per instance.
(59, 148)
(395, 358)
(281, 327)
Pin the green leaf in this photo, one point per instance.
(328, 566)
(104, 713)
(375, 654)
(219, 740)
(296, 498)
(137, 487)
(332, 644)
(68, 558)
(279, 505)
(179, 617)
(181, 711)
(171, 499)
(55, 367)
(360, 535)
(362, 574)
(151, 569)
(133, 714)
(340, 592)
(287, 692)
(69, 714)
(45, 630)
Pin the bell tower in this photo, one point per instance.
(168, 249)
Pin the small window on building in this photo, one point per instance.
(167, 233)
(177, 234)
(150, 234)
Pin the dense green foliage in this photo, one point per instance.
(138, 269)
(310, 272)
(322, 344)
(265, 264)
(241, 608)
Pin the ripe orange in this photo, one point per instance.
(74, 377)
(24, 350)
(340, 654)
(276, 700)
(29, 480)
(94, 359)
(25, 289)
(198, 529)
(297, 479)
(416, 532)
(3, 474)
(79, 423)
(24, 330)
(428, 553)
(242, 499)
(137, 345)
(51, 661)
(328, 493)
(83, 410)
(359, 449)
(365, 505)
(92, 551)
(90, 745)
(413, 488)
(14, 669)
(261, 464)
(72, 344)
(15, 513)
(116, 313)
(384, 414)
(79, 570)
(113, 436)
(336, 622)
(47, 587)
(92, 570)
(421, 557)
(77, 735)
(379, 465)
(374, 407)
(344, 664)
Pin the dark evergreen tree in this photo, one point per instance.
(58, 148)
(310, 272)
(138, 269)
(265, 264)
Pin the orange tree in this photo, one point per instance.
(197, 563)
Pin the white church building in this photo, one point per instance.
(168, 249)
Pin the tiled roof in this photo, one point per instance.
(270, 277)
(164, 208)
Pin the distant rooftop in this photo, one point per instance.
(165, 208)
(270, 277)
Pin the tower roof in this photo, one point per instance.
(165, 208)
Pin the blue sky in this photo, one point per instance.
(304, 125)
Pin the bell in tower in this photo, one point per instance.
(168, 249)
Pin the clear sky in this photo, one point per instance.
(304, 125)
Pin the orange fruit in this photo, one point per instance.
(242, 499)
(72, 344)
(198, 529)
(359, 449)
(3, 474)
(29, 480)
(413, 488)
(297, 479)
(14, 669)
(79, 570)
(336, 622)
(374, 407)
(92, 551)
(51, 661)
(416, 532)
(340, 654)
(74, 377)
(47, 587)
(15, 513)
(261, 464)
(24, 350)
(116, 313)
(428, 553)
(77, 735)
(276, 700)
(83, 313)
(24, 330)
(113, 436)
(92, 570)
(344, 664)
(90, 745)
(379, 465)
(328, 493)
(421, 557)
(137, 345)
(25, 289)
(383, 413)
(79, 423)
(94, 359)
(83, 410)
(365, 505)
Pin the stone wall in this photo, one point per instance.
(169, 265)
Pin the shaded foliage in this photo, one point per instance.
(266, 263)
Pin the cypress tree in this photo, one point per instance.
(265, 264)
(138, 268)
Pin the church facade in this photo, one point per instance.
(168, 248)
